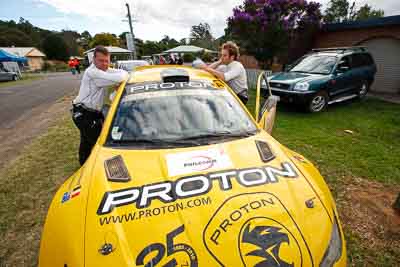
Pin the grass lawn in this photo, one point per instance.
(29, 183)
(25, 78)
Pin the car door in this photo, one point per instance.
(3, 76)
(359, 69)
(343, 78)
(265, 111)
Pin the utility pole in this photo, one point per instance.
(131, 28)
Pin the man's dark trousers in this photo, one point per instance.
(89, 124)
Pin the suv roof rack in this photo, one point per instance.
(341, 50)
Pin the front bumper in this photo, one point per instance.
(289, 96)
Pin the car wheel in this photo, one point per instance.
(14, 78)
(318, 102)
(364, 88)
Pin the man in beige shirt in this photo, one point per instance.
(230, 70)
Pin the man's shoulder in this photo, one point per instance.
(236, 64)
(92, 71)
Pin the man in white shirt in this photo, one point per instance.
(87, 106)
(230, 70)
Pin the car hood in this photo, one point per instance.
(204, 206)
(294, 77)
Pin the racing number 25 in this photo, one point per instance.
(171, 249)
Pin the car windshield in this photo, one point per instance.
(317, 64)
(178, 117)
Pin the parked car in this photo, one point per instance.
(130, 65)
(183, 175)
(325, 76)
(8, 75)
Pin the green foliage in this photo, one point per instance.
(342, 11)
(188, 58)
(338, 11)
(200, 35)
(366, 12)
(106, 39)
(206, 57)
(14, 37)
(70, 39)
(55, 47)
(22, 33)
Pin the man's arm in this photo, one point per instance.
(216, 73)
(108, 78)
(215, 64)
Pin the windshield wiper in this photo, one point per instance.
(224, 134)
(153, 141)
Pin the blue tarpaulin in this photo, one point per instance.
(4, 57)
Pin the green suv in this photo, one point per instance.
(325, 76)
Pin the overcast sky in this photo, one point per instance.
(154, 18)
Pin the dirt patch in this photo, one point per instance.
(27, 127)
(365, 209)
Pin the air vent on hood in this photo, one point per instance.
(116, 170)
(265, 151)
(174, 75)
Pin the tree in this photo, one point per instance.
(71, 40)
(341, 11)
(14, 37)
(55, 47)
(85, 40)
(264, 27)
(106, 39)
(337, 11)
(200, 35)
(366, 12)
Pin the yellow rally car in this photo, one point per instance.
(183, 175)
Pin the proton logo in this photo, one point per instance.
(268, 245)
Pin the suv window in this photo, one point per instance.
(368, 59)
(317, 64)
(361, 60)
(344, 64)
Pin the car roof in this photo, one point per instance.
(152, 73)
(338, 54)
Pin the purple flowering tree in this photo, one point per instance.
(264, 27)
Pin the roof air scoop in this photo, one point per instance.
(174, 75)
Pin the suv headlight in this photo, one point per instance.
(335, 247)
(302, 86)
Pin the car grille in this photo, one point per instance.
(279, 85)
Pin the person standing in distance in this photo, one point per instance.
(87, 106)
(233, 73)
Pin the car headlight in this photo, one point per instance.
(334, 250)
(301, 86)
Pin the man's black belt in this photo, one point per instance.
(85, 108)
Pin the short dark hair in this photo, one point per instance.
(101, 49)
(233, 49)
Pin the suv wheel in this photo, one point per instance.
(364, 88)
(318, 102)
(15, 78)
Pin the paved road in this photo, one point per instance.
(28, 109)
(16, 100)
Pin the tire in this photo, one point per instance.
(318, 102)
(15, 78)
(364, 89)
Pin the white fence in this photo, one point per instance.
(252, 76)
